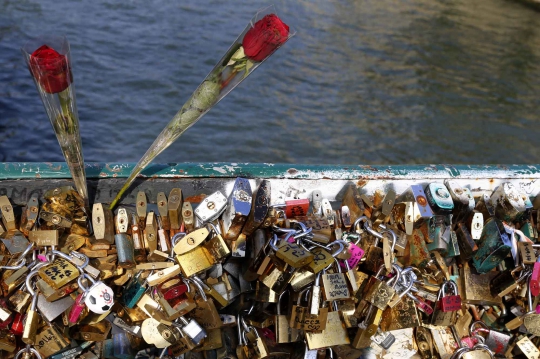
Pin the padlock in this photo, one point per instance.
(164, 242)
(205, 313)
(403, 315)
(334, 332)
(210, 208)
(535, 278)
(527, 347)
(133, 291)
(466, 243)
(31, 322)
(29, 215)
(99, 297)
(367, 327)
(302, 319)
(238, 208)
(174, 207)
(378, 292)
(125, 251)
(193, 330)
(188, 218)
(186, 243)
(216, 245)
(353, 201)
(44, 238)
(14, 241)
(475, 224)
(77, 309)
(102, 223)
(508, 202)
(150, 232)
(59, 272)
(494, 245)
(158, 334)
(335, 285)
(383, 339)
(356, 254)
(496, 341)
(211, 291)
(450, 303)
(439, 198)
(8, 341)
(50, 341)
(504, 282)
(260, 206)
(438, 234)
(138, 243)
(374, 253)
(446, 317)
(322, 258)
(195, 261)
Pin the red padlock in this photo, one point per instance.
(17, 327)
(172, 289)
(296, 207)
(450, 303)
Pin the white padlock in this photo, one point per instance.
(99, 297)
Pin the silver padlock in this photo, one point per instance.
(383, 339)
(211, 207)
(193, 330)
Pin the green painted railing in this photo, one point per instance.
(59, 170)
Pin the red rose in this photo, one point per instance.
(50, 69)
(264, 37)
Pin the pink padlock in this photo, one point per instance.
(356, 255)
(535, 280)
(470, 341)
(77, 309)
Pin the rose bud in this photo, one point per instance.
(50, 69)
(264, 37)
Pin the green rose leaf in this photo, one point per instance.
(237, 56)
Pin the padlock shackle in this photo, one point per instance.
(22, 259)
(29, 350)
(341, 243)
(31, 275)
(478, 322)
(362, 219)
(69, 259)
(216, 230)
(197, 282)
(82, 286)
(273, 243)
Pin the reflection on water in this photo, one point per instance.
(363, 82)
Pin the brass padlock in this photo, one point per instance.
(175, 208)
(103, 223)
(31, 323)
(334, 333)
(58, 273)
(284, 333)
(216, 246)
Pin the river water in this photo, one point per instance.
(362, 82)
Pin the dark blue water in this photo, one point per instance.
(363, 81)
